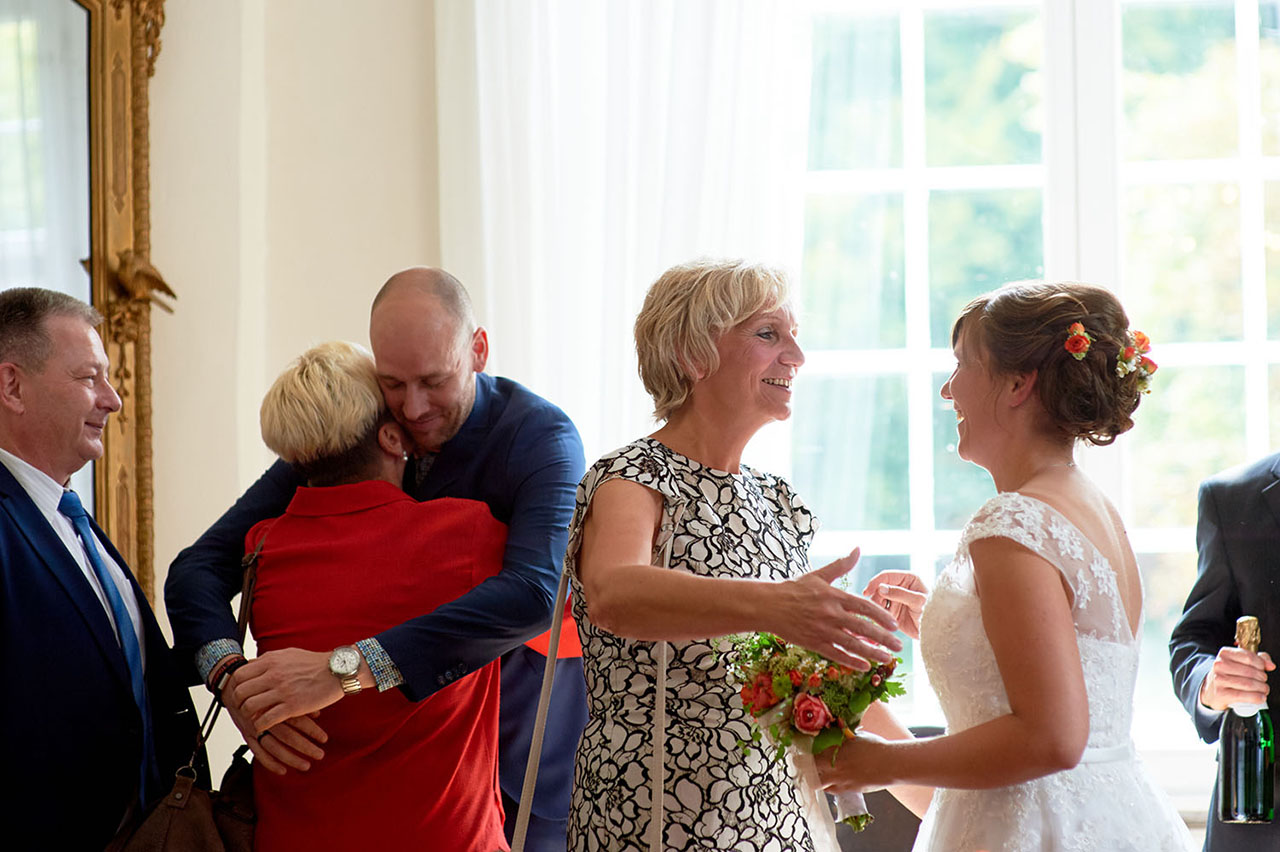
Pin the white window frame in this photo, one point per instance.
(1084, 181)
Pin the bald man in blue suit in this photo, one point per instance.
(475, 436)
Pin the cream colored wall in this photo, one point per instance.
(293, 168)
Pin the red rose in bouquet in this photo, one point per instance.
(809, 714)
(803, 704)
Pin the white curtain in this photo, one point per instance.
(44, 145)
(585, 147)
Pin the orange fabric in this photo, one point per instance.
(570, 644)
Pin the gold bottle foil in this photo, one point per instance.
(1248, 634)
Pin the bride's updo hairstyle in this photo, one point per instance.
(1024, 327)
(685, 312)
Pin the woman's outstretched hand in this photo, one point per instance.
(845, 628)
(903, 594)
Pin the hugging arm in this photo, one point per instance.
(202, 581)
(207, 575)
(434, 650)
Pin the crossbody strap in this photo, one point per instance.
(540, 719)
(249, 570)
(672, 516)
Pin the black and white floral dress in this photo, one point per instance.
(745, 525)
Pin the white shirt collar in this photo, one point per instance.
(44, 490)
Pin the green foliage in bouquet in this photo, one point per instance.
(795, 694)
(799, 698)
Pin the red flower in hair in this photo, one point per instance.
(1078, 341)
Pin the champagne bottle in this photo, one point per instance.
(1246, 751)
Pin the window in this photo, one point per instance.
(955, 146)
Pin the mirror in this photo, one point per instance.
(74, 212)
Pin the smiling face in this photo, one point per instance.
(426, 366)
(758, 362)
(974, 392)
(62, 409)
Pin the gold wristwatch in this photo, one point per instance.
(344, 664)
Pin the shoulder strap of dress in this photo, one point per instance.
(672, 513)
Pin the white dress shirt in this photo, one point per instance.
(46, 494)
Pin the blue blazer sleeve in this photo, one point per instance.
(205, 576)
(1208, 619)
(542, 466)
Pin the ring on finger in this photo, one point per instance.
(263, 734)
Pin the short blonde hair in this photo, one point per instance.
(685, 312)
(324, 404)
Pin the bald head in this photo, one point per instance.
(427, 349)
(417, 283)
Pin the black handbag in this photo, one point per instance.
(191, 819)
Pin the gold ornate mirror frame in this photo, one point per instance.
(124, 40)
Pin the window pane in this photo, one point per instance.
(855, 114)
(1182, 262)
(1269, 65)
(1179, 80)
(853, 268)
(1166, 579)
(983, 87)
(1190, 426)
(1271, 249)
(22, 169)
(1273, 398)
(959, 487)
(978, 241)
(849, 450)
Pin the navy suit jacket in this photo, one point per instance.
(1238, 539)
(73, 734)
(522, 456)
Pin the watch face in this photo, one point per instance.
(344, 661)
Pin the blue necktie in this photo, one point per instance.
(71, 507)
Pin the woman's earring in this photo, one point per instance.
(404, 454)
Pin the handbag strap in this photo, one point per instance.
(249, 570)
(657, 771)
(540, 719)
(672, 516)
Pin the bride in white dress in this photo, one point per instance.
(1030, 634)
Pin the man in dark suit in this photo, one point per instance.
(1238, 538)
(475, 436)
(95, 718)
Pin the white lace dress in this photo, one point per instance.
(1106, 803)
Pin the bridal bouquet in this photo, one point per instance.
(803, 704)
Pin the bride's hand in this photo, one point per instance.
(852, 771)
(903, 595)
(845, 628)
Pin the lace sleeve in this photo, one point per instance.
(1035, 526)
(1096, 607)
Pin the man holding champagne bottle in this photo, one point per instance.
(1238, 539)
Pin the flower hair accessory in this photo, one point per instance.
(1133, 359)
(1078, 341)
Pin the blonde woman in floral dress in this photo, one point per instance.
(1031, 635)
(673, 543)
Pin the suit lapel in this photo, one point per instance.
(459, 451)
(62, 570)
(1271, 492)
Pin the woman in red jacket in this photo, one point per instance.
(352, 556)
